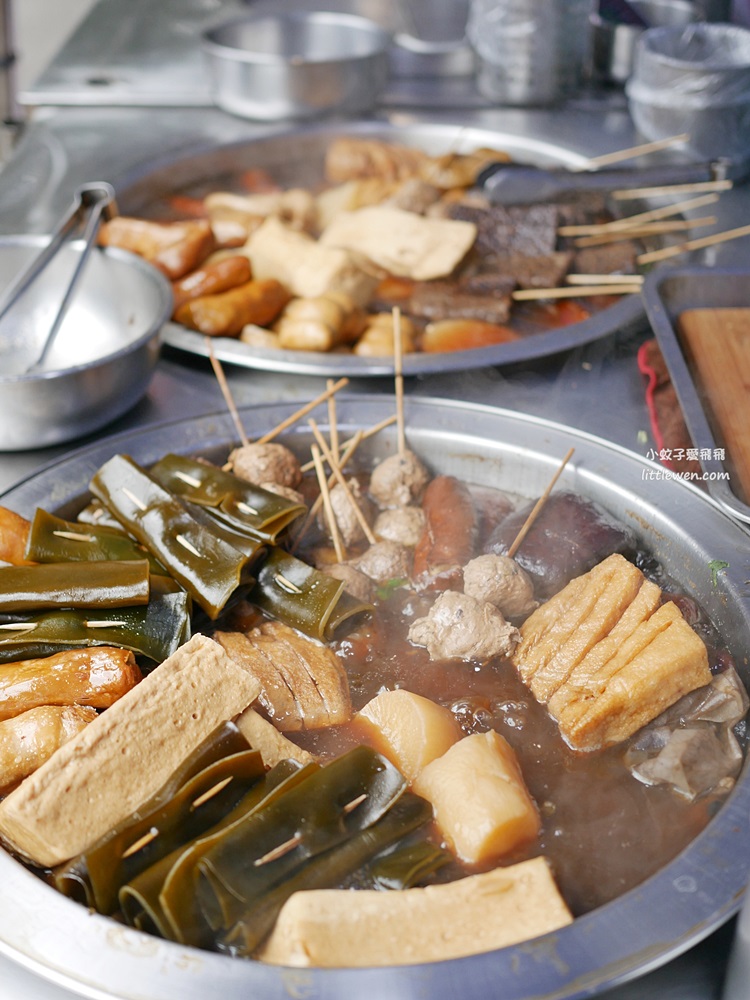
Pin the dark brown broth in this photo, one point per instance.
(603, 831)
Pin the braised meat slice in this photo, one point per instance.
(614, 258)
(527, 271)
(436, 300)
(530, 230)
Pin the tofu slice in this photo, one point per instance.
(482, 806)
(402, 243)
(121, 759)
(411, 731)
(262, 735)
(303, 265)
(337, 927)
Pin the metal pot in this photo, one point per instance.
(654, 922)
(103, 356)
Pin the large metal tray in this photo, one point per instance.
(653, 923)
(667, 294)
(296, 158)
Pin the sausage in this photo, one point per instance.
(175, 248)
(450, 535)
(211, 279)
(96, 676)
(14, 534)
(225, 314)
(29, 739)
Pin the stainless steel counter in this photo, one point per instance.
(126, 92)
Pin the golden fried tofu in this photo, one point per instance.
(607, 657)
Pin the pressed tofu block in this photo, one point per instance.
(338, 927)
(411, 731)
(482, 806)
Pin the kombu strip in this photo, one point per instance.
(303, 597)
(53, 539)
(195, 549)
(110, 584)
(243, 505)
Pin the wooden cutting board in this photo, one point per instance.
(716, 343)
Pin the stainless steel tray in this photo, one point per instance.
(666, 294)
(642, 929)
(296, 158)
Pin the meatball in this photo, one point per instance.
(283, 491)
(266, 463)
(401, 524)
(460, 627)
(355, 582)
(385, 561)
(502, 582)
(398, 480)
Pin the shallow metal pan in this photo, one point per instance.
(646, 927)
(296, 158)
(666, 294)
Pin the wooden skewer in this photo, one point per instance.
(699, 244)
(573, 291)
(330, 516)
(667, 190)
(636, 220)
(628, 154)
(350, 448)
(303, 411)
(226, 391)
(604, 279)
(647, 229)
(332, 422)
(359, 436)
(367, 530)
(398, 358)
(538, 506)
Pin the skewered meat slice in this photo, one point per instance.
(302, 684)
(385, 561)
(458, 626)
(616, 258)
(400, 524)
(502, 582)
(349, 526)
(447, 300)
(531, 270)
(605, 658)
(530, 230)
(269, 462)
(398, 480)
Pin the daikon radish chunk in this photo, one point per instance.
(482, 806)
(408, 729)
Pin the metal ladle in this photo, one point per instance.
(92, 203)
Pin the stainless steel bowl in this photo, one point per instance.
(101, 361)
(640, 930)
(296, 64)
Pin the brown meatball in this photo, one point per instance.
(385, 561)
(502, 582)
(283, 491)
(460, 627)
(398, 480)
(355, 582)
(401, 524)
(348, 523)
(264, 463)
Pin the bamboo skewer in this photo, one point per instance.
(350, 448)
(647, 229)
(604, 279)
(635, 220)
(627, 194)
(697, 244)
(338, 475)
(226, 392)
(573, 291)
(538, 506)
(303, 411)
(332, 422)
(330, 516)
(628, 154)
(359, 436)
(398, 358)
